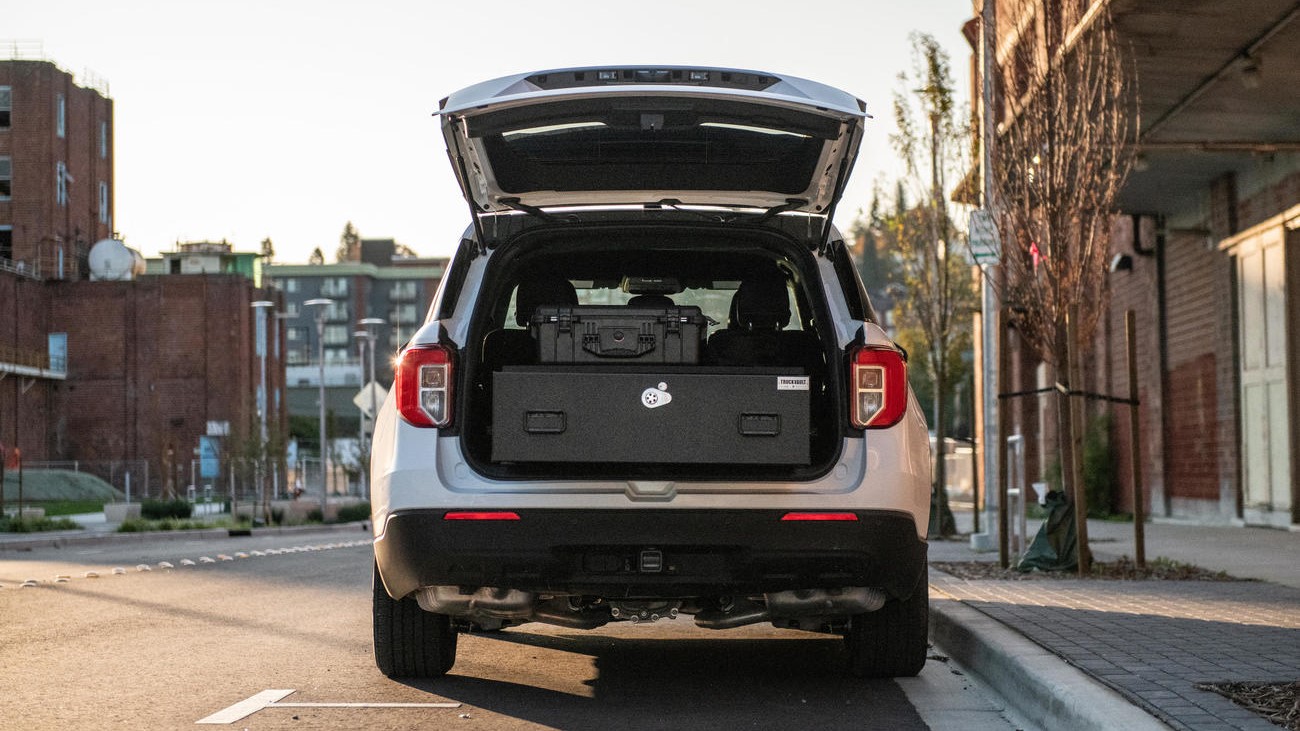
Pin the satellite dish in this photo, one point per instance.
(112, 261)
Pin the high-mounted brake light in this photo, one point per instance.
(423, 384)
(467, 515)
(819, 516)
(878, 387)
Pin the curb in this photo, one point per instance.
(93, 539)
(1040, 686)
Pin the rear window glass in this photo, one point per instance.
(714, 301)
(668, 144)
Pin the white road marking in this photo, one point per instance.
(245, 708)
(269, 699)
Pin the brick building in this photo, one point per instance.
(56, 169)
(155, 364)
(124, 371)
(1208, 248)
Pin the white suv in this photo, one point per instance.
(651, 384)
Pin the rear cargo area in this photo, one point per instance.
(663, 360)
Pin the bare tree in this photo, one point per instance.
(933, 142)
(1059, 162)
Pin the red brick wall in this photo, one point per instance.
(42, 227)
(152, 361)
(1133, 290)
(1200, 336)
(25, 418)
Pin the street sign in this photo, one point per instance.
(985, 246)
(363, 398)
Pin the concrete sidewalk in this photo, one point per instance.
(1144, 644)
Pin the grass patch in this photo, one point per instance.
(69, 507)
(144, 525)
(59, 485)
(35, 525)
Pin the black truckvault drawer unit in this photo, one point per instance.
(646, 415)
(601, 334)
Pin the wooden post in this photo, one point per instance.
(1004, 361)
(1135, 436)
(1076, 441)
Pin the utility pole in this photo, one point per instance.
(989, 327)
(320, 304)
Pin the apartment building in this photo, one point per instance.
(380, 285)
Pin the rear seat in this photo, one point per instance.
(517, 347)
(754, 336)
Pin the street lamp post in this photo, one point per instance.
(371, 336)
(262, 307)
(361, 337)
(320, 303)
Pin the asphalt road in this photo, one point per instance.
(168, 647)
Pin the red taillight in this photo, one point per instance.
(423, 384)
(819, 516)
(481, 516)
(878, 387)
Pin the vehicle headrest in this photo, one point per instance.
(651, 300)
(542, 290)
(761, 303)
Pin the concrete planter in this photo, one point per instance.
(121, 512)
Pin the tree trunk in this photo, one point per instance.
(942, 522)
(1070, 483)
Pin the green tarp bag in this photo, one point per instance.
(1054, 546)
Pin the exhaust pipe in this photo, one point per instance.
(486, 602)
(795, 605)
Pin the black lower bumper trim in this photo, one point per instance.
(697, 553)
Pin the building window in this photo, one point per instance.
(336, 334)
(291, 309)
(290, 285)
(402, 291)
(297, 356)
(334, 287)
(337, 312)
(103, 140)
(6, 105)
(103, 202)
(396, 338)
(61, 179)
(296, 334)
(62, 117)
(6, 242)
(6, 178)
(403, 314)
(336, 355)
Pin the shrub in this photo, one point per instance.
(10, 524)
(163, 509)
(1098, 469)
(354, 512)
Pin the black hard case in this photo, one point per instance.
(603, 334)
(619, 415)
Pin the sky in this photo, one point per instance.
(242, 120)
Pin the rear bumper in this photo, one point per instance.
(601, 552)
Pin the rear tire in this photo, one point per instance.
(410, 642)
(892, 642)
